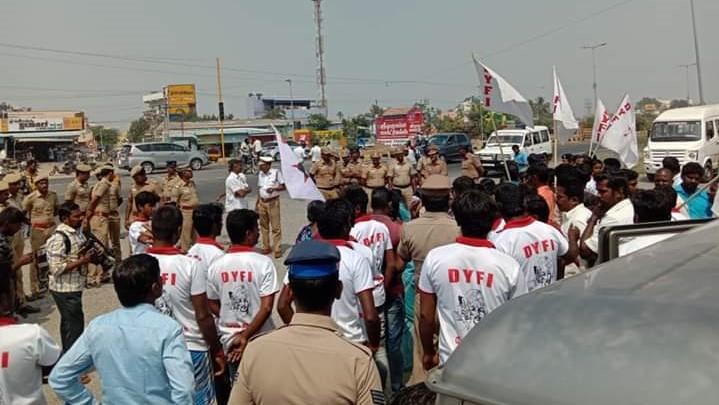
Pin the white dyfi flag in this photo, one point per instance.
(601, 124)
(500, 96)
(562, 112)
(621, 136)
(300, 185)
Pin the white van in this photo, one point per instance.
(689, 134)
(530, 140)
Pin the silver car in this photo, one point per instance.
(153, 156)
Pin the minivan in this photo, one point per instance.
(689, 134)
(449, 144)
(155, 155)
(536, 140)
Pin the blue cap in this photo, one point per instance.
(313, 259)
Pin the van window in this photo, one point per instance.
(176, 148)
(676, 131)
(545, 136)
(710, 130)
(145, 148)
(537, 138)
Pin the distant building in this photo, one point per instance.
(258, 106)
(39, 132)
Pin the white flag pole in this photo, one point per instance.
(501, 151)
(556, 143)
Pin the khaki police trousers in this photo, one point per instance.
(100, 228)
(114, 229)
(419, 374)
(18, 247)
(329, 194)
(269, 212)
(187, 237)
(38, 237)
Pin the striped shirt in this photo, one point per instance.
(61, 281)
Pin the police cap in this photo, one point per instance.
(83, 168)
(136, 170)
(313, 259)
(13, 178)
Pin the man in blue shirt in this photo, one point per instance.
(700, 206)
(520, 158)
(139, 353)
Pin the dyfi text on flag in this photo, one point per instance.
(621, 136)
(298, 182)
(500, 96)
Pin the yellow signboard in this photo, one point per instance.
(73, 123)
(3, 125)
(181, 95)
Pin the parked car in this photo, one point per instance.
(498, 148)
(638, 329)
(155, 155)
(449, 144)
(270, 149)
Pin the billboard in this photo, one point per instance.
(42, 121)
(181, 100)
(398, 129)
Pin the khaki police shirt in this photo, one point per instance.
(419, 236)
(375, 176)
(326, 175)
(29, 181)
(469, 167)
(351, 172)
(78, 193)
(186, 195)
(151, 186)
(168, 187)
(41, 209)
(115, 189)
(402, 174)
(306, 362)
(102, 191)
(427, 168)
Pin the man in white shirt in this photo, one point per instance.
(316, 153)
(570, 201)
(300, 152)
(354, 312)
(270, 183)
(536, 246)
(241, 287)
(462, 282)
(614, 208)
(650, 206)
(184, 298)
(140, 233)
(257, 147)
(236, 187)
(207, 221)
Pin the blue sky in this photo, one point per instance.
(392, 51)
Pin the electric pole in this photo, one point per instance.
(593, 48)
(320, 53)
(292, 108)
(221, 108)
(686, 68)
(696, 52)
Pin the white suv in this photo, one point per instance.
(155, 155)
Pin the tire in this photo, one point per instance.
(708, 166)
(276, 157)
(196, 164)
(148, 167)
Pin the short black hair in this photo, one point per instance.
(573, 187)
(461, 185)
(541, 172)
(166, 222)
(474, 212)
(536, 159)
(614, 182)
(314, 210)
(671, 163)
(12, 216)
(488, 186)
(418, 394)
(612, 165)
(336, 219)
(314, 294)
(65, 210)
(207, 217)
(233, 162)
(433, 202)
(134, 277)
(653, 205)
(510, 199)
(537, 207)
(396, 201)
(565, 170)
(692, 168)
(584, 172)
(239, 222)
(629, 174)
(105, 171)
(146, 197)
(381, 198)
(357, 197)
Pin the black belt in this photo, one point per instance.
(327, 188)
(405, 186)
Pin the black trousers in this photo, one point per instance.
(72, 319)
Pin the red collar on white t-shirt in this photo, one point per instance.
(7, 320)
(363, 218)
(519, 223)
(240, 249)
(167, 250)
(476, 242)
(209, 241)
(338, 242)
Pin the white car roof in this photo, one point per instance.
(689, 113)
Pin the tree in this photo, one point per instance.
(318, 122)
(542, 112)
(274, 114)
(105, 136)
(375, 111)
(138, 129)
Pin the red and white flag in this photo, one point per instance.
(601, 124)
(499, 96)
(562, 112)
(300, 185)
(621, 136)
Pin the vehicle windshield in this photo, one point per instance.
(438, 140)
(676, 131)
(508, 140)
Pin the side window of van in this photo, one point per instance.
(537, 137)
(528, 140)
(710, 129)
(545, 136)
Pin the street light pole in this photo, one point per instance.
(292, 106)
(696, 52)
(593, 48)
(686, 68)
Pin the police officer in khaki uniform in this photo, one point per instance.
(352, 170)
(114, 218)
(14, 182)
(326, 174)
(432, 229)
(171, 181)
(141, 184)
(318, 365)
(471, 166)
(402, 175)
(98, 216)
(29, 177)
(40, 206)
(375, 176)
(432, 164)
(187, 200)
(78, 191)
